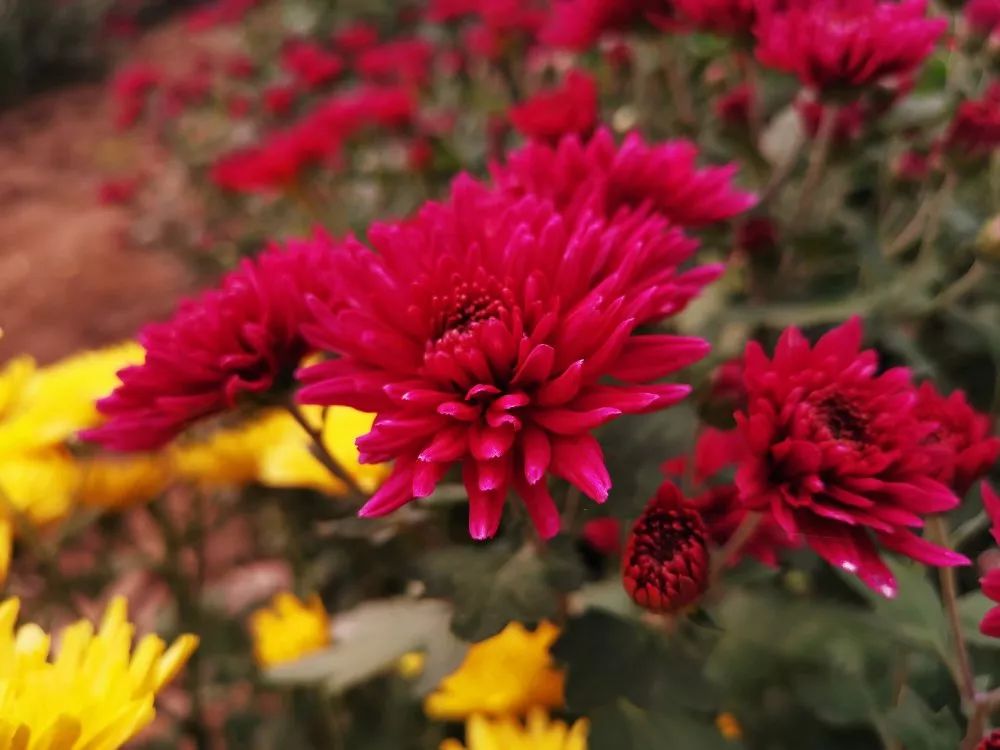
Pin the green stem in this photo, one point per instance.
(323, 455)
(819, 154)
(937, 530)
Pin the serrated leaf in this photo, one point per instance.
(915, 613)
(919, 728)
(489, 587)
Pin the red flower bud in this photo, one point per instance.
(666, 560)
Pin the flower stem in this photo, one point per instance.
(323, 455)
(819, 154)
(734, 545)
(937, 530)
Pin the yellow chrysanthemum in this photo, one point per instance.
(115, 482)
(508, 674)
(289, 629)
(95, 694)
(538, 733)
(274, 450)
(46, 406)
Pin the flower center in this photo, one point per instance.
(460, 310)
(843, 418)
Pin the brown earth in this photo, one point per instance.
(72, 274)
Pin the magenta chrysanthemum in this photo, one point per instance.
(837, 453)
(569, 109)
(964, 433)
(600, 177)
(732, 17)
(490, 332)
(834, 45)
(242, 339)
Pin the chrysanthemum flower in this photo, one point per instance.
(537, 733)
(838, 454)
(95, 693)
(273, 450)
(990, 741)
(666, 563)
(506, 675)
(837, 45)
(402, 60)
(975, 131)
(983, 15)
(315, 139)
(42, 407)
(965, 433)
(570, 109)
(289, 629)
(241, 340)
(312, 65)
(730, 17)
(718, 501)
(601, 177)
(490, 332)
(578, 24)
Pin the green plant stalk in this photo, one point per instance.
(819, 154)
(937, 530)
(323, 455)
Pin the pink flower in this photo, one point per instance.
(838, 454)
(990, 583)
(718, 503)
(238, 106)
(312, 65)
(241, 66)
(219, 13)
(605, 178)
(278, 99)
(117, 192)
(578, 24)
(730, 17)
(736, 105)
(666, 562)
(240, 340)
(130, 90)
(403, 61)
(833, 45)
(966, 434)
(983, 15)
(355, 38)
(975, 131)
(570, 109)
(490, 332)
(315, 139)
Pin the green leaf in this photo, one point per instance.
(919, 728)
(915, 613)
(625, 726)
(837, 698)
(491, 587)
(609, 658)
